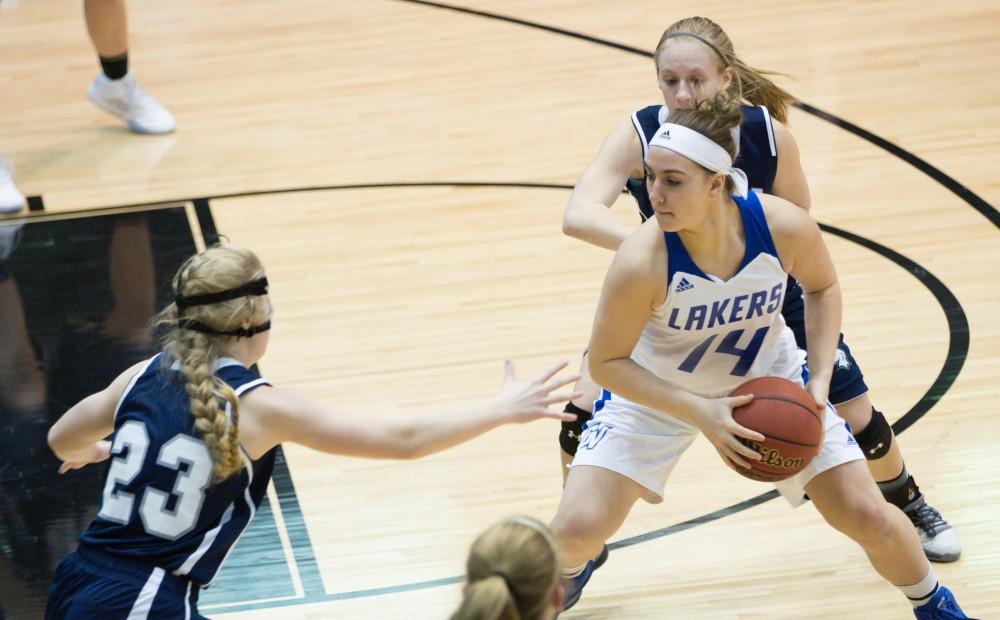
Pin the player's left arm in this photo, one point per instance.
(789, 178)
(77, 438)
(805, 256)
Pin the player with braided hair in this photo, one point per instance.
(193, 438)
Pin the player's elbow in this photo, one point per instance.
(600, 370)
(57, 442)
(571, 224)
(576, 220)
(407, 443)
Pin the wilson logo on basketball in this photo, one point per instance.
(772, 457)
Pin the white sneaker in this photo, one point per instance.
(125, 99)
(938, 538)
(11, 200)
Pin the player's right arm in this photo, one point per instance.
(588, 216)
(269, 416)
(789, 178)
(77, 438)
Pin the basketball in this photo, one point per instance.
(786, 415)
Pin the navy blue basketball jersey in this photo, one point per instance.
(757, 155)
(159, 503)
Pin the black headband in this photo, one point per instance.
(240, 333)
(251, 288)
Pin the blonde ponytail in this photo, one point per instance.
(512, 573)
(488, 599)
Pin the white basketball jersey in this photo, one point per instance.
(710, 335)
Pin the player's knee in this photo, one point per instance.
(876, 438)
(575, 531)
(569, 434)
(866, 520)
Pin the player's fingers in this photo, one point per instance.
(746, 433)
(562, 415)
(735, 458)
(739, 401)
(561, 382)
(725, 459)
(746, 451)
(561, 398)
(508, 371)
(739, 460)
(65, 467)
(551, 372)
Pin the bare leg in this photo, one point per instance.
(595, 502)
(107, 23)
(848, 499)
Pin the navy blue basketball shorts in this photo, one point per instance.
(92, 584)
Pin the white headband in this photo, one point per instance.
(701, 150)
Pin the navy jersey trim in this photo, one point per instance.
(131, 384)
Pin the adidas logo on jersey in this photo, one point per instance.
(683, 285)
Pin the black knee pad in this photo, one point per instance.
(569, 435)
(876, 438)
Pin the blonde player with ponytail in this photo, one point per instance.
(695, 60)
(512, 573)
(193, 433)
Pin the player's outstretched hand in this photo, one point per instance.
(719, 427)
(526, 401)
(97, 452)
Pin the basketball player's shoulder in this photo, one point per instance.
(784, 216)
(791, 228)
(642, 254)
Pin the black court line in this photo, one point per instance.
(958, 325)
(963, 192)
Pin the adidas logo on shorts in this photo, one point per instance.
(683, 285)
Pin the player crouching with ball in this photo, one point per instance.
(689, 310)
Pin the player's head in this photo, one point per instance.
(512, 573)
(695, 60)
(220, 303)
(689, 163)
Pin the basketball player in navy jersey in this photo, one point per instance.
(695, 58)
(193, 436)
(691, 308)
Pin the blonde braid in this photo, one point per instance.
(218, 268)
(197, 355)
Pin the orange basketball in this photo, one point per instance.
(786, 415)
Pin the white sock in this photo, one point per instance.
(922, 591)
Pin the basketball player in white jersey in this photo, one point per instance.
(695, 58)
(691, 308)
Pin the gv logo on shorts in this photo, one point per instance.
(593, 434)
